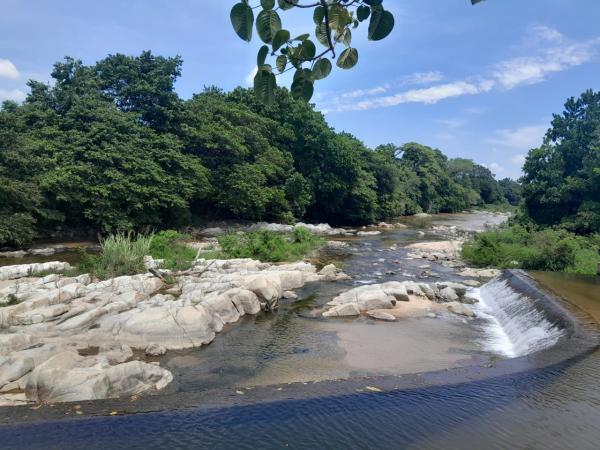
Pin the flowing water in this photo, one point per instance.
(468, 393)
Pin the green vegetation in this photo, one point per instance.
(557, 227)
(270, 246)
(11, 301)
(120, 254)
(171, 247)
(112, 148)
(545, 249)
(334, 21)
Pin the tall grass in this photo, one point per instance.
(120, 254)
(170, 246)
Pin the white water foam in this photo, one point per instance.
(515, 326)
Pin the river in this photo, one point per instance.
(417, 383)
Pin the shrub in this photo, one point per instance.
(170, 246)
(270, 246)
(547, 249)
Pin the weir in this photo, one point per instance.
(522, 318)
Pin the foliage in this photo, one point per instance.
(544, 249)
(120, 254)
(270, 246)
(334, 22)
(561, 182)
(170, 246)
(111, 148)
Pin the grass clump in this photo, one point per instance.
(120, 254)
(170, 246)
(554, 250)
(270, 246)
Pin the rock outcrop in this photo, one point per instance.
(46, 337)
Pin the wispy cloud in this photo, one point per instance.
(423, 78)
(518, 160)
(8, 69)
(524, 138)
(554, 53)
(12, 94)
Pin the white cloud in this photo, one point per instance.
(426, 95)
(532, 70)
(495, 168)
(12, 94)
(423, 78)
(555, 53)
(524, 138)
(8, 69)
(547, 34)
(366, 92)
(249, 80)
(518, 160)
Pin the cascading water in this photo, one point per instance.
(515, 326)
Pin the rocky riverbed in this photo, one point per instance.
(74, 338)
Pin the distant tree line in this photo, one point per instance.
(112, 147)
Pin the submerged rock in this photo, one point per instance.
(381, 315)
(461, 309)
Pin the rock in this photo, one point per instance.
(421, 233)
(369, 297)
(431, 315)
(469, 300)
(15, 254)
(69, 377)
(155, 350)
(26, 270)
(471, 283)
(459, 289)
(368, 233)
(460, 309)
(290, 295)
(480, 273)
(422, 215)
(42, 251)
(448, 294)
(332, 273)
(115, 352)
(337, 244)
(347, 309)
(381, 315)
(215, 231)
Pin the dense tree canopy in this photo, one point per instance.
(112, 147)
(561, 182)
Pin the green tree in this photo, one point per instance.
(561, 183)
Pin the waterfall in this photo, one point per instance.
(515, 327)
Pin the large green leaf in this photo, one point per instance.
(363, 12)
(474, 2)
(281, 63)
(242, 19)
(348, 58)
(321, 69)
(318, 15)
(308, 49)
(321, 34)
(280, 38)
(283, 4)
(264, 85)
(262, 55)
(267, 4)
(381, 24)
(302, 88)
(267, 24)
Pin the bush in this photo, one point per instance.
(120, 254)
(170, 246)
(548, 249)
(270, 246)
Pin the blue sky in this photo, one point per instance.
(478, 82)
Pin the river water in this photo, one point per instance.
(551, 406)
